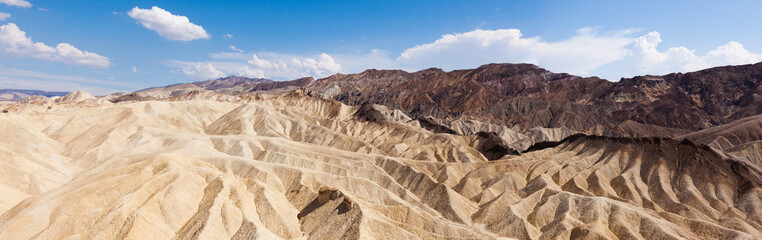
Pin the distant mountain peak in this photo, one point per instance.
(229, 81)
(18, 94)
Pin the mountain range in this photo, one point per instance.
(498, 152)
(524, 96)
(18, 94)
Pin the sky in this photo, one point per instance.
(111, 46)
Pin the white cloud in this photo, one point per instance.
(173, 27)
(228, 36)
(247, 71)
(43, 9)
(15, 43)
(613, 55)
(292, 67)
(17, 3)
(580, 54)
(732, 53)
(235, 49)
(202, 71)
(649, 60)
(354, 63)
(279, 66)
(134, 69)
(610, 55)
(260, 65)
(4, 16)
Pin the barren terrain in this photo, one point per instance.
(205, 165)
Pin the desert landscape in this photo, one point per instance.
(235, 158)
(457, 120)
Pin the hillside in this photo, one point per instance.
(294, 166)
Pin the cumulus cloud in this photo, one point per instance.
(173, 27)
(134, 69)
(732, 53)
(202, 71)
(17, 3)
(15, 43)
(228, 36)
(4, 16)
(247, 71)
(290, 67)
(580, 54)
(610, 55)
(260, 65)
(649, 60)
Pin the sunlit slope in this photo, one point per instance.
(295, 166)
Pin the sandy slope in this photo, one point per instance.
(293, 166)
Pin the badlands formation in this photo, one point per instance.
(205, 165)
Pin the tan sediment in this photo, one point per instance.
(298, 167)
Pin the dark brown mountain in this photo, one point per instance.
(527, 96)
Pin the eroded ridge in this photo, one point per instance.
(293, 166)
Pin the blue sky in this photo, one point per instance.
(108, 46)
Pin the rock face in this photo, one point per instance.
(526, 96)
(203, 165)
